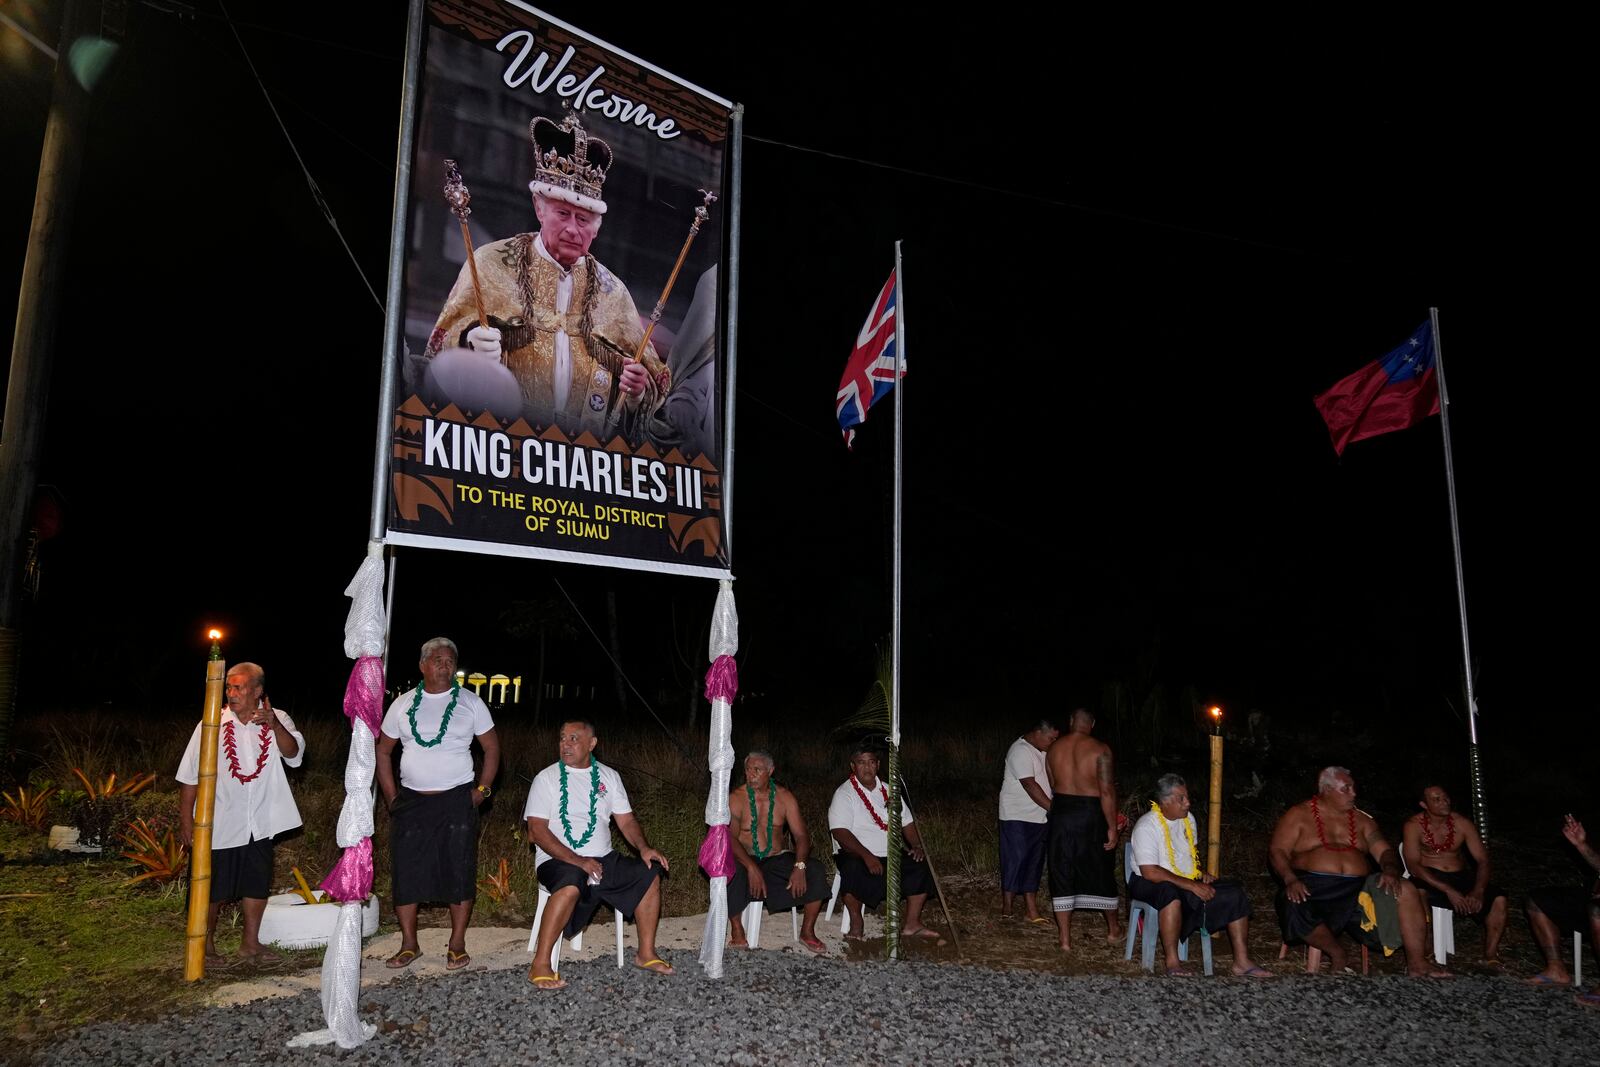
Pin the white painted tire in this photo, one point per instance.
(289, 922)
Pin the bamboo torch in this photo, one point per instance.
(1214, 827)
(194, 955)
(459, 198)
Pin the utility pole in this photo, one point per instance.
(32, 349)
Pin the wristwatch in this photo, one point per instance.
(485, 791)
(799, 865)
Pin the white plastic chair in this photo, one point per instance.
(577, 940)
(1142, 915)
(1442, 919)
(752, 922)
(1577, 959)
(844, 913)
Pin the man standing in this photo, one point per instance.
(1083, 827)
(1320, 850)
(253, 803)
(1167, 876)
(858, 818)
(761, 812)
(1024, 810)
(433, 812)
(1449, 863)
(564, 325)
(569, 813)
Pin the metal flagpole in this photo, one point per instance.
(393, 322)
(1478, 812)
(892, 916)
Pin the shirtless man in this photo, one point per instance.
(1449, 864)
(762, 814)
(1083, 827)
(1320, 849)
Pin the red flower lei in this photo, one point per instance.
(868, 803)
(1316, 813)
(1427, 833)
(233, 752)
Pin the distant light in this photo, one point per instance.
(1216, 712)
(215, 635)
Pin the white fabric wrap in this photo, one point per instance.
(724, 642)
(355, 818)
(341, 966)
(341, 986)
(364, 627)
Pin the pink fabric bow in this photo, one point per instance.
(722, 680)
(716, 852)
(351, 877)
(363, 694)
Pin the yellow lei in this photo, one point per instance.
(1188, 835)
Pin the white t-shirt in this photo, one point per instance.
(1148, 844)
(257, 809)
(1023, 761)
(847, 812)
(431, 769)
(544, 802)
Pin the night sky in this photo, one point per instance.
(1152, 252)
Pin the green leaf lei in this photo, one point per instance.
(594, 800)
(444, 724)
(772, 801)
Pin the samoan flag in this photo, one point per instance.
(869, 374)
(1391, 393)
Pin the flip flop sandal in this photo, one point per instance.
(650, 966)
(1547, 981)
(546, 982)
(404, 958)
(454, 961)
(1040, 920)
(1257, 971)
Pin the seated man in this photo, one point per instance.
(858, 818)
(1320, 850)
(1554, 912)
(761, 812)
(575, 862)
(1167, 877)
(1449, 864)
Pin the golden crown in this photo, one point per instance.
(567, 158)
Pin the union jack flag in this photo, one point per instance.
(869, 373)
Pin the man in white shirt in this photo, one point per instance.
(1024, 815)
(858, 820)
(253, 803)
(569, 813)
(433, 810)
(1167, 876)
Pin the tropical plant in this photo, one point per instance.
(31, 809)
(497, 887)
(96, 789)
(163, 857)
(104, 804)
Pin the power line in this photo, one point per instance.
(624, 676)
(316, 193)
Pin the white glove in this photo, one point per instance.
(485, 340)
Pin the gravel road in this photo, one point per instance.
(779, 1007)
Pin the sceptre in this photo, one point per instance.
(459, 199)
(701, 213)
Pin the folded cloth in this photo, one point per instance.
(624, 881)
(775, 871)
(1230, 903)
(1335, 902)
(1082, 869)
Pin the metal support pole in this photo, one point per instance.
(394, 320)
(1479, 813)
(730, 322)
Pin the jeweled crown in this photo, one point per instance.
(567, 158)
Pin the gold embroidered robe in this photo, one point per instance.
(601, 324)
